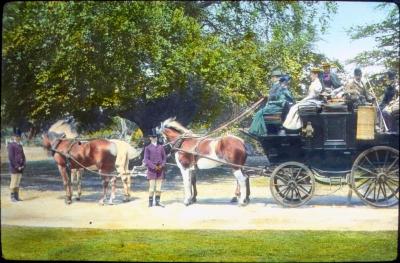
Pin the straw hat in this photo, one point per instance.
(315, 70)
(326, 65)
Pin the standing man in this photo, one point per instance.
(16, 159)
(330, 81)
(390, 89)
(155, 160)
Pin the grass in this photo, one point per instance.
(32, 243)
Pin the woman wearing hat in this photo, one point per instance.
(154, 159)
(278, 97)
(330, 80)
(16, 159)
(293, 121)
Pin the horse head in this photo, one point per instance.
(66, 126)
(170, 129)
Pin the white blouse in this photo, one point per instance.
(314, 90)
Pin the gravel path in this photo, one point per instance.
(43, 205)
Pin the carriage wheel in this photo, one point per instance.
(292, 184)
(375, 176)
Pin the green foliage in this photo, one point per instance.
(387, 35)
(30, 243)
(71, 57)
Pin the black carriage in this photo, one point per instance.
(337, 143)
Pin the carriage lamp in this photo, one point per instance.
(308, 131)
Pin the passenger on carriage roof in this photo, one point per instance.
(330, 80)
(293, 121)
(355, 90)
(278, 99)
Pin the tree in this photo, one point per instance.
(387, 35)
(141, 60)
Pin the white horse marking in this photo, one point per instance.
(242, 183)
(186, 180)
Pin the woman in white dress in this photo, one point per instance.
(293, 121)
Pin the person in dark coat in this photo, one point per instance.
(390, 90)
(16, 159)
(155, 160)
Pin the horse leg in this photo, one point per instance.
(237, 192)
(67, 184)
(79, 174)
(112, 195)
(194, 187)
(105, 186)
(242, 184)
(126, 182)
(247, 189)
(187, 186)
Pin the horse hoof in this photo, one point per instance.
(234, 199)
(78, 199)
(194, 200)
(68, 201)
(101, 202)
(241, 204)
(187, 203)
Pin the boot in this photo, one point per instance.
(150, 201)
(13, 197)
(158, 201)
(17, 194)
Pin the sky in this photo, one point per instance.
(336, 44)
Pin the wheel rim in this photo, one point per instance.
(292, 184)
(375, 176)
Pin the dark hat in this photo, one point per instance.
(284, 78)
(277, 73)
(17, 133)
(153, 133)
(391, 75)
(357, 72)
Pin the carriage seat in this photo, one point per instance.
(275, 118)
(334, 107)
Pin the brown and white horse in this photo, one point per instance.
(227, 149)
(99, 152)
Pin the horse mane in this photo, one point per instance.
(172, 123)
(65, 127)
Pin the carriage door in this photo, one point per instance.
(335, 130)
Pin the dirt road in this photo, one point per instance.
(43, 205)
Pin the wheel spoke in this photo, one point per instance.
(386, 157)
(379, 189)
(366, 170)
(298, 193)
(287, 193)
(366, 158)
(393, 163)
(294, 178)
(303, 189)
(357, 187)
(377, 156)
(286, 181)
(297, 181)
(391, 189)
(396, 171)
(281, 192)
(368, 190)
(383, 191)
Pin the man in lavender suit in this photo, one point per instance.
(155, 159)
(16, 159)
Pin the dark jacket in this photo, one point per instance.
(16, 157)
(154, 155)
(390, 91)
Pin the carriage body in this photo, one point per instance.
(327, 147)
